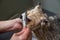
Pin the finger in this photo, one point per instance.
(17, 26)
(30, 37)
(26, 33)
(21, 32)
(18, 20)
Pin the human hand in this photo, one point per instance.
(14, 24)
(25, 34)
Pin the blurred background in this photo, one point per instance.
(9, 8)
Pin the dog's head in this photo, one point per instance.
(37, 17)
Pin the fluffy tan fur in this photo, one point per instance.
(37, 24)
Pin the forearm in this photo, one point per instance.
(9, 25)
(5, 25)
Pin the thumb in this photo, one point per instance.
(26, 33)
(21, 32)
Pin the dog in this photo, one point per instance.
(43, 26)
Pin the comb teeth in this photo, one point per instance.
(24, 19)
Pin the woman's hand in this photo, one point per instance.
(25, 34)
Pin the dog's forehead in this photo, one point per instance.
(36, 8)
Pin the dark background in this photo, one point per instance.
(8, 8)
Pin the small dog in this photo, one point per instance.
(43, 26)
